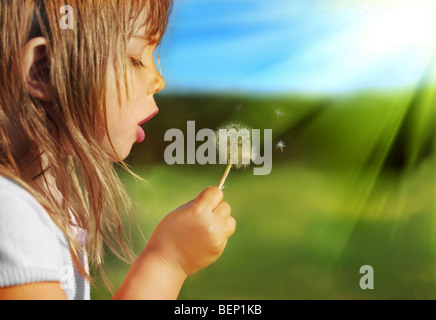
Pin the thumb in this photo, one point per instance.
(209, 198)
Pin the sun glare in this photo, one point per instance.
(403, 24)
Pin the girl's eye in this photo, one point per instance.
(137, 63)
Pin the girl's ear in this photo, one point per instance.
(35, 68)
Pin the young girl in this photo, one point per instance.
(71, 105)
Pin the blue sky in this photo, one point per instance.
(298, 45)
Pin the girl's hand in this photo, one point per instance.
(194, 235)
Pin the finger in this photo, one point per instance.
(230, 226)
(186, 204)
(222, 247)
(223, 210)
(209, 198)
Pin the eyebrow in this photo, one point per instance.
(149, 41)
(140, 37)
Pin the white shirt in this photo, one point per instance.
(32, 247)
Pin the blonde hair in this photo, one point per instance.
(75, 68)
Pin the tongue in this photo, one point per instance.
(140, 136)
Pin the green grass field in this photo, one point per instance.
(299, 238)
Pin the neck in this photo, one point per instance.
(35, 165)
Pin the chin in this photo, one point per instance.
(121, 155)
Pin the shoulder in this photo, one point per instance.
(30, 242)
(11, 190)
(19, 208)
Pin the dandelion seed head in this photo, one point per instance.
(234, 144)
(280, 145)
(278, 112)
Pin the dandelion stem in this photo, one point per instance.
(224, 177)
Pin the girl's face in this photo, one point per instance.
(144, 81)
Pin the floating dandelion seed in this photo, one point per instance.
(234, 147)
(279, 113)
(280, 145)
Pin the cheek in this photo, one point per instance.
(123, 115)
(139, 84)
(120, 118)
(121, 134)
(119, 125)
(118, 108)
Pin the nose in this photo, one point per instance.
(157, 82)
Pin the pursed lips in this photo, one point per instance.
(149, 118)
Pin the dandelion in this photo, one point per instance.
(279, 113)
(280, 145)
(234, 147)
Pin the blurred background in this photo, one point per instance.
(348, 88)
